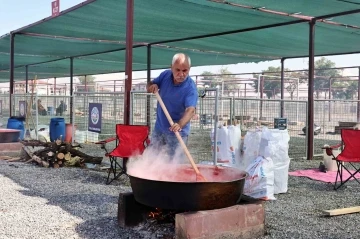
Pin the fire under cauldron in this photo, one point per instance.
(177, 189)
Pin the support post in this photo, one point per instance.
(85, 82)
(282, 87)
(12, 65)
(261, 95)
(128, 64)
(358, 103)
(148, 97)
(310, 128)
(330, 83)
(26, 79)
(71, 88)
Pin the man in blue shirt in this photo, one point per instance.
(179, 93)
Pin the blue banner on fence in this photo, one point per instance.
(95, 110)
(22, 108)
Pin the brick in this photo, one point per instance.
(245, 221)
(10, 146)
(130, 212)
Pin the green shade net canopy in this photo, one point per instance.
(212, 32)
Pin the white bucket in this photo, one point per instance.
(330, 164)
(80, 136)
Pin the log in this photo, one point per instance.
(62, 150)
(5, 157)
(14, 159)
(40, 161)
(60, 156)
(86, 158)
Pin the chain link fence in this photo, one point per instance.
(330, 116)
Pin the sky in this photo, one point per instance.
(15, 14)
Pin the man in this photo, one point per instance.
(61, 108)
(41, 108)
(179, 93)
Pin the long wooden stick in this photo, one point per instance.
(342, 211)
(181, 141)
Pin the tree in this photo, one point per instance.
(222, 78)
(272, 85)
(89, 82)
(344, 89)
(323, 75)
(209, 79)
(229, 80)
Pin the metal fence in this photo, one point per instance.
(329, 115)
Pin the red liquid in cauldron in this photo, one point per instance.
(185, 173)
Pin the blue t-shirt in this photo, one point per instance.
(176, 99)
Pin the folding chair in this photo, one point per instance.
(131, 140)
(349, 158)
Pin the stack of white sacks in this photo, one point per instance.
(228, 144)
(264, 157)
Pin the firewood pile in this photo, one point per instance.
(57, 154)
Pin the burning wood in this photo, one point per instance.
(57, 154)
(161, 216)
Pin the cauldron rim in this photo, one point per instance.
(244, 176)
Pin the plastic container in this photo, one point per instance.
(17, 123)
(80, 136)
(57, 128)
(329, 163)
(69, 129)
(206, 119)
(92, 137)
(50, 110)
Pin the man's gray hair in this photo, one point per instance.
(182, 57)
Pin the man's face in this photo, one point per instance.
(180, 71)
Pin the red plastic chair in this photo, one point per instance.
(131, 140)
(349, 158)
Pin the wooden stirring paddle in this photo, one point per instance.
(199, 176)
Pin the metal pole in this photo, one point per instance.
(330, 83)
(231, 110)
(85, 84)
(310, 128)
(262, 79)
(12, 55)
(128, 64)
(128, 61)
(297, 103)
(245, 90)
(26, 79)
(282, 87)
(71, 89)
(148, 97)
(215, 124)
(222, 100)
(358, 103)
(54, 92)
(258, 96)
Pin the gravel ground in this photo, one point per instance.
(38, 202)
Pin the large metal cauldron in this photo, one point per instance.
(223, 188)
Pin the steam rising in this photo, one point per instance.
(157, 165)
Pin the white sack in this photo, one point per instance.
(260, 182)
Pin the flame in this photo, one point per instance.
(157, 213)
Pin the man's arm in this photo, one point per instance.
(189, 113)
